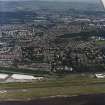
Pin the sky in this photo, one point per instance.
(50, 0)
(58, 0)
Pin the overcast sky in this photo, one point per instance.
(50, 0)
(92, 1)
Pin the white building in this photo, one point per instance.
(3, 76)
(20, 77)
(100, 76)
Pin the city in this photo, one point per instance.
(54, 42)
(52, 50)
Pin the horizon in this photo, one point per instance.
(55, 0)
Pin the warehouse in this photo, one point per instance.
(22, 78)
(3, 76)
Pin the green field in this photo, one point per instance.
(73, 84)
(100, 42)
(23, 71)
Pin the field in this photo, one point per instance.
(23, 71)
(72, 84)
(100, 42)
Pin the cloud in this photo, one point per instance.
(51, 0)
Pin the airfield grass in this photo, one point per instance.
(53, 91)
(23, 71)
(74, 84)
(100, 42)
